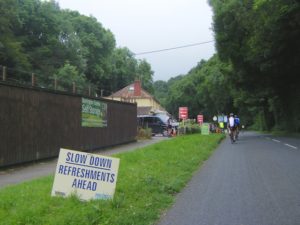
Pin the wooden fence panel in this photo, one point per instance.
(35, 124)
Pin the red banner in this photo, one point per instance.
(183, 113)
(200, 119)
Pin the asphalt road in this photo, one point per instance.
(17, 174)
(253, 182)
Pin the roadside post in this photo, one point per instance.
(183, 114)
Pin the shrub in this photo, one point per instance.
(144, 133)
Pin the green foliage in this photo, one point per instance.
(98, 45)
(260, 39)
(204, 90)
(182, 94)
(123, 69)
(11, 50)
(144, 133)
(148, 178)
(161, 91)
(145, 74)
(68, 75)
(39, 37)
(189, 127)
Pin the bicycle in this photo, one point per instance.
(232, 134)
(237, 132)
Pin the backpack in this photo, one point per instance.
(237, 121)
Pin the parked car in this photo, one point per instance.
(157, 124)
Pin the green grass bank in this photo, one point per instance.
(148, 180)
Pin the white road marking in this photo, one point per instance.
(291, 146)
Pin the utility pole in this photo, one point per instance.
(55, 84)
(4, 73)
(32, 79)
(74, 87)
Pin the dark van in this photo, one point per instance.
(156, 123)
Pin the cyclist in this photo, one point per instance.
(231, 128)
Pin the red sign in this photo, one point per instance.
(183, 113)
(200, 119)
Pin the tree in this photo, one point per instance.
(205, 89)
(96, 46)
(12, 53)
(38, 37)
(161, 91)
(124, 68)
(67, 76)
(145, 74)
(260, 38)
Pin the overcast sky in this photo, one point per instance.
(148, 25)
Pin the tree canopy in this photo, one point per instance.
(260, 38)
(256, 70)
(39, 37)
(203, 90)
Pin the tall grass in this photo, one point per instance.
(147, 182)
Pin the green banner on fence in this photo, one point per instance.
(93, 113)
(205, 128)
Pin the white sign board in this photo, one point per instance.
(225, 119)
(89, 176)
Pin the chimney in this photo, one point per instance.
(137, 88)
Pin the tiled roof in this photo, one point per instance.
(128, 91)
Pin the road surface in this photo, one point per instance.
(253, 182)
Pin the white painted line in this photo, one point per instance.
(291, 146)
(276, 140)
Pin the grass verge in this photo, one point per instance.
(147, 183)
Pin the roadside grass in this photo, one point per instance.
(148, 181)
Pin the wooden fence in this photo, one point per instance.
(36, 123)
